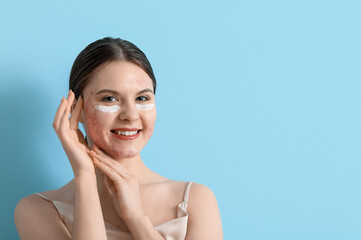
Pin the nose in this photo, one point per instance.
(128, 112)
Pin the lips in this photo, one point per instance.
(126, 133)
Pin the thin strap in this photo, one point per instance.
(43, 196)
(56, 205)
(187, 191)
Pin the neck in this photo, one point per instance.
(134, 165)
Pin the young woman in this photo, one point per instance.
(114, 195)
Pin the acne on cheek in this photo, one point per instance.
(90, 114)
(93, 123)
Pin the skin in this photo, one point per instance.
(127, 79)
(110, 177)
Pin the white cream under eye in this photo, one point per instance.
(115, 108)
(145, 106)
(107, 109)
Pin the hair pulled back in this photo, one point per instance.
(106, 50)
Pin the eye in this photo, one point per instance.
(109, 99)
(142, 98)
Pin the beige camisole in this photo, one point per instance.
(174, 229)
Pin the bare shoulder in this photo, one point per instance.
(176, 189)
(199, 192)
(169, 191)
(201, 198)
(37, 218)
(204, 221)
(63, 194)
(29, 208)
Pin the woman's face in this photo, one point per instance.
(119, 109)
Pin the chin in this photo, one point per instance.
(123, 153)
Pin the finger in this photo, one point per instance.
(111, 173)
(98, 151)
(117, 167)
(74, 118)
(59, 113)
(64, 120)
(71, 98)
(110, 185)
(96, 148)
(88, 150)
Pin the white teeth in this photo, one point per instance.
(126, 133)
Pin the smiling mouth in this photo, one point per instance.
(125, 133)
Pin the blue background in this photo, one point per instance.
(258, 100)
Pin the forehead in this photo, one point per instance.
(120, 76)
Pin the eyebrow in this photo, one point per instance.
(117, 93)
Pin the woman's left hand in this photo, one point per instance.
(123, 185)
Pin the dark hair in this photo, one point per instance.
(106, 50)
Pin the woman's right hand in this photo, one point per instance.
(71, 138)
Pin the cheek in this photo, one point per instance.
(90, 115)
(94, 121)
(150, 124)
